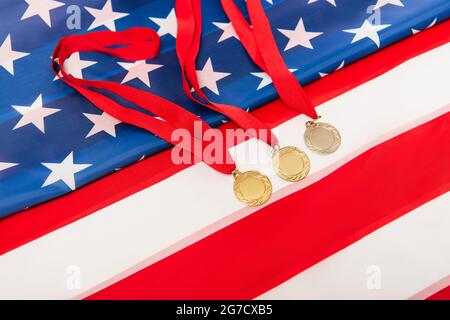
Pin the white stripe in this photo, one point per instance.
(432, 289)
(394, 262)
(186, 207)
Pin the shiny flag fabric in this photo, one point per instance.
(54, 141)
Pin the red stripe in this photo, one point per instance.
(31, 224)
(281, 240)
(444, 294)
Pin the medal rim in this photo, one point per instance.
(243, 198)
(289, 177)
(328, 127)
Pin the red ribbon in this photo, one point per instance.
(260, 44)
(143, 43)
(189, 19)
(133, 45)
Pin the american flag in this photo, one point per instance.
(130, 224)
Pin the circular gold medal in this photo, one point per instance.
(322, 137)
(291, 164)
(252, 188)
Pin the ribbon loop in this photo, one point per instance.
(133, 45)
(141, 43)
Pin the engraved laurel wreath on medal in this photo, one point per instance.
(322, 137)
(290, 163)
(252, 187)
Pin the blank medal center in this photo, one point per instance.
(322, 138)
(291, 163)
(252, 187)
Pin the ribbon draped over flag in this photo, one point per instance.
(54, 141)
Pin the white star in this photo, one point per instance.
(333, 2)
(8, 56)
(208, 78)
(270, 1)
(414, 31)
(382, 3)
(74, 66)
(34, 114)
(323, 74)
(105, 16)
(265, 78)
(42, 9)
(167, 25)
(102, 122)
(139, 69)
(299, 36)
(7, 165)
(228, 31)
(368, 30)
(64, 171)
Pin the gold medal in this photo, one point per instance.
(252, 187)
(322, 137)
(291, 164)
